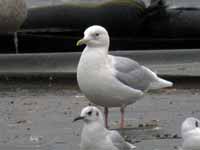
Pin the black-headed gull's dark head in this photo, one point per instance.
(189, 124)
(90, 114)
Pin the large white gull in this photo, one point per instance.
(112, 81)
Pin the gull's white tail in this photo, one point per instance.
(157, 83)
(131, 145)
(160, 83)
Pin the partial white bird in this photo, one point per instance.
(190, 131)
(112, 81)
(95, 136)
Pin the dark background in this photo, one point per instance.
(49, 29)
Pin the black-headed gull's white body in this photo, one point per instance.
(95, 136)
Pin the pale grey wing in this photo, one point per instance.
(119, 142)
(131, 73)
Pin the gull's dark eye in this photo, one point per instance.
(196, 124)
(89, 113)
(96, 34)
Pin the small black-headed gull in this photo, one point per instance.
(95, 136)
(190, 131)
(112, 81)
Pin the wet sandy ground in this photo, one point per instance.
(38, 115)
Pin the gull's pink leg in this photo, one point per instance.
(106, 116)
(122, 117)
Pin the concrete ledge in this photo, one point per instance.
(164, 62)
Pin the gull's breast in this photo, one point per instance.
(97, 81)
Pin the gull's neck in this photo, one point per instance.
(93, 128)
(99, 49)
(93, 58)
(96, 54)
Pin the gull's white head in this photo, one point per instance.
(90, 114)
(95, 36)
(189, 124)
